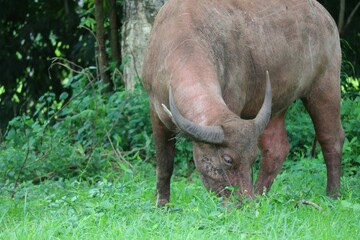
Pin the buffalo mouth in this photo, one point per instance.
(227, 184)
(225, 190)
(219, 190)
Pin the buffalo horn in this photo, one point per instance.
(263, 117)
(208, 134)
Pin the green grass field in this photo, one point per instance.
(124, 208)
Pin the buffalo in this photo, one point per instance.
(224, 73)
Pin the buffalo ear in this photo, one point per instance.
(263, 117)
(196, 132)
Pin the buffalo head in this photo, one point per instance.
(224, 154)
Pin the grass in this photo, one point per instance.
(124, 208)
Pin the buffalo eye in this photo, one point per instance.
(227, 160)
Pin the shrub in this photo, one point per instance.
(86, 135)
(299, 129)
(350, 112)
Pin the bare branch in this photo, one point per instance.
(349, 19)
(307, 202)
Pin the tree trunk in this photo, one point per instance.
(341, 15)
(114, 37)
(349, 19)
(139, 15)
(100, 39)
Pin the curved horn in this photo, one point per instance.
(263, 117)
(208, 134)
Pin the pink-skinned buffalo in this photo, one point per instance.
(222, 73)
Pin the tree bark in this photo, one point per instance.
(100, 39)
(140, 15)
(114, 37)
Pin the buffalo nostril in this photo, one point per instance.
(205, 160)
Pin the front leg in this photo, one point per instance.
(165, 151)
(274, 147)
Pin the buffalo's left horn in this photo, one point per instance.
(263, 117)
(208, 134)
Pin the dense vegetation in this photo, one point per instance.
(35, 32)
(77, 160)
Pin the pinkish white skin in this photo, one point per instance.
(206, 63)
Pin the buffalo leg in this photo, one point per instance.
(323, 105)
(274, 147)
(165, 151)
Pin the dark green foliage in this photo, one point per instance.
(350, 85)
(300, 129)
(350, 31)
(31, 33)
(351, 122)
(89, 134)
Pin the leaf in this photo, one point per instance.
(63, 95)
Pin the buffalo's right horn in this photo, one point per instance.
(263, 117)
(208, 134)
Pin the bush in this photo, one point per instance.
(350, 112)
(299, 129)
(87, 135)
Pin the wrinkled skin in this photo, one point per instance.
(211, 58)
(229, 164)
